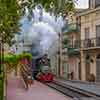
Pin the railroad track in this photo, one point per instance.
(73, 92)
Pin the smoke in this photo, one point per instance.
(42, 30)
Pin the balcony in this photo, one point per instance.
(97, 3)
(72, 46)
(91, 43)
(74, 27)
(65, 43)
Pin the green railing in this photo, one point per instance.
(73, 51)
(73, 27)
(73, 47)
(65, 41)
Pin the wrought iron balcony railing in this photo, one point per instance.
(92, 42)
(74, 44)
(71, 44)
(73, 27)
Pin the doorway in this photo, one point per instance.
(98, 68)
(79, 68)
(87, 67)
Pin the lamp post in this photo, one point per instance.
(60, 63)
(60, 55)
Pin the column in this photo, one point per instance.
(83, 72)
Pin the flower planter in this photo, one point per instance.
(24, 61)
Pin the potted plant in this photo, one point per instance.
(25, 58)
(11, 61)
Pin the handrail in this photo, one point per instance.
(91, 42)
(86, 43)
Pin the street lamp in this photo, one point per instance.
(60, 47)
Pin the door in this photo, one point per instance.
(87, 69)
(87, 66)
(98, 35)
(79, 68)
(98, 69)
(65, 67)
(87, 36)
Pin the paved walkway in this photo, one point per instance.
(90, 87)
(16, 91)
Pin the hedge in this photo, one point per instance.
(11, 58)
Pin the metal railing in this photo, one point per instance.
(92, 42)
(71, 27)
(74, 44)
(87, 43)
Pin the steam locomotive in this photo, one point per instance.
(44, 72)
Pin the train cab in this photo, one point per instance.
(45, 74)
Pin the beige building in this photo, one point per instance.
(81, 44)
(71, 52)
(80, 47)
(90, 41)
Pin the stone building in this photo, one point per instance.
(90, 41)
(71, 52)
(80, 49)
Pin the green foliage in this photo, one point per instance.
(10, 12)
(59, 5)
(27, 55)
(1, 88)
(13, 59)
(63, 6)
(9, 18)
(24, 55)
(65, 41)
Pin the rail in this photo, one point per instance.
(86, 43)
(92, 42)
(72, 91)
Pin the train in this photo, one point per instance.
(44, 73)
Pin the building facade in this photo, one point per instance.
(78, 58)
(71, 52)
(90, 41)
(81, 44)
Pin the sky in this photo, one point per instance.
(82, 4)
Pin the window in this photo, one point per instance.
(87, 33)
(97, 3)
(86, 18)
(97, 30)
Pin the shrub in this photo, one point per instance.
(27, 55)
(14, 59)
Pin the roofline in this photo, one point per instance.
(87, 11)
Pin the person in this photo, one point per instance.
(30, 80)
(72, 75)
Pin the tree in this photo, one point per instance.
(63, 6)
(9, 19)
(10, 13)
